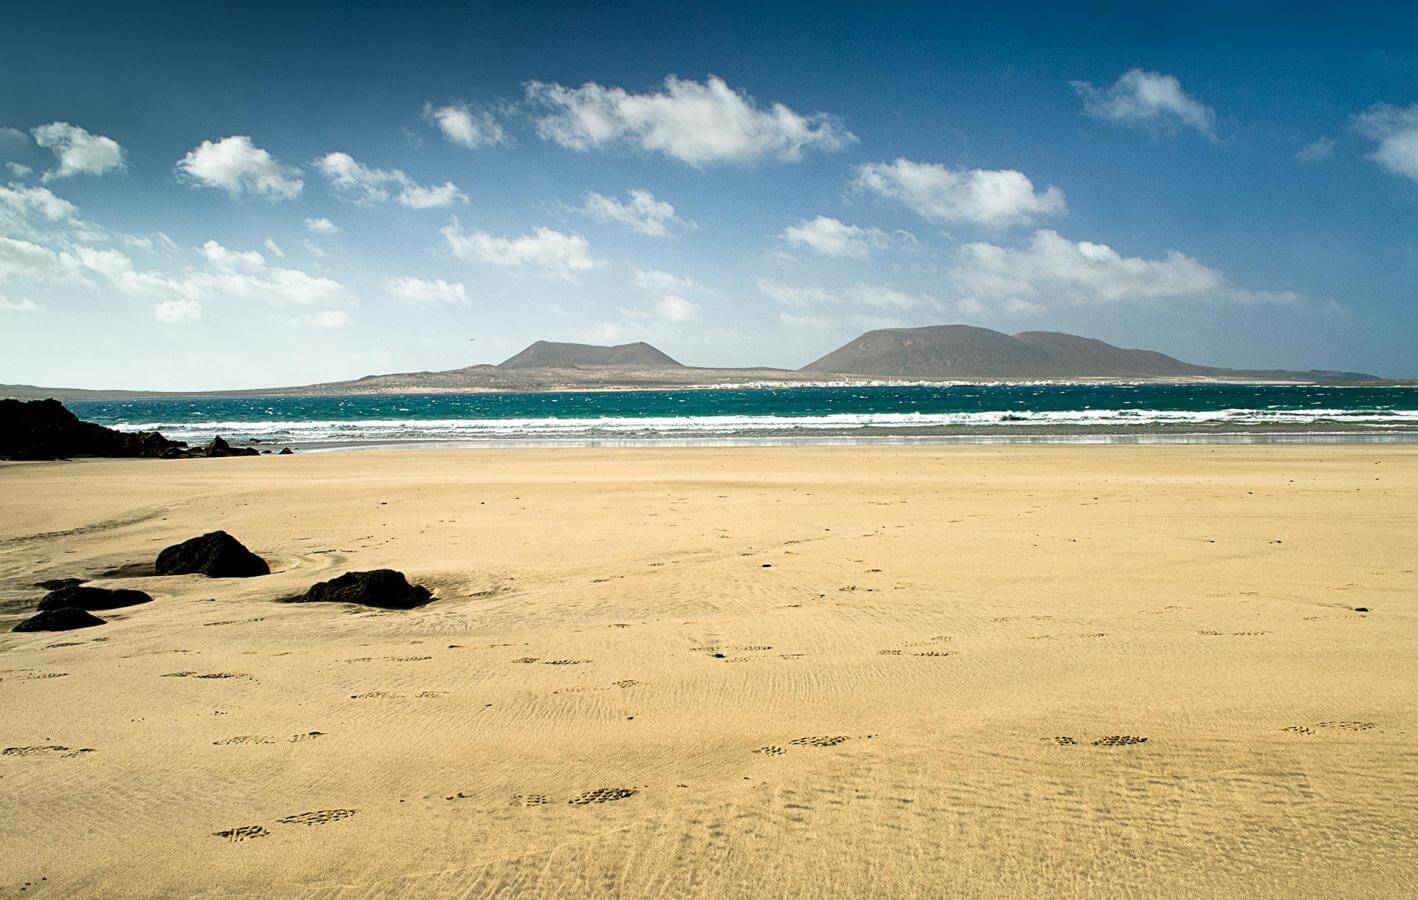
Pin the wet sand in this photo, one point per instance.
(852, 671)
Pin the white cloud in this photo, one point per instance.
(223, 258)
(855, 321)
(794, 295)
(830, 237)
(321, 226)
(149, 243)
(653, 281)
(327, 318)
(642, 212)
(229, 275)
(466, 125)
(1321, 149)
(666, 292)
(994, 198)
(274, 249)
(426, 291)
(24, 259)
(873, 295)
(673, 308)
(238, 166)
(18, 170)
(1053, 268)
(7, 305)
(78, 151)
(22, 201)
(883, 297)
(370, 186)
(545, 250)
(1141, 99)
(698, 124)
(1396, 130)
(417, 197)
(178, 310)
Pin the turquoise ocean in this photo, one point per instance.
(960, 413)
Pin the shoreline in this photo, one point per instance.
(1158, 437)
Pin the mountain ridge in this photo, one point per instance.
(967, 352)
(928, 353)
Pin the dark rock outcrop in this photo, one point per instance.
(55, 584)
(219, 447)
(65, 618)
(382, 588)
(286, 451)
(215, 554)
(44, 429)
(92, 598)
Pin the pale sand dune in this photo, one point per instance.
(968, 622)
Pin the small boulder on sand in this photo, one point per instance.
(219, 447)
(91, 598)
(215, 554)
(55, 584)
(382, 588)
(63, 619)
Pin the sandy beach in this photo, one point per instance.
(912, 671)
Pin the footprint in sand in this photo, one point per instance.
(529, 800)
(771, 750)
(242, 833)
(1062, 740)
(1119, 740)
(318, 817)
(241, 739)
(53, 750)
(823, 741)
(602, 795)
(1330, 726)
(206, 675)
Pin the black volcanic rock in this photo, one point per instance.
(286, 451)
(215, 554)
(92, 598)
(554, 355)
(55, 584)
(219, 447)
(382, 588)
(45, 429)
(65, 618)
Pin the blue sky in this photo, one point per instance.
(212, 196)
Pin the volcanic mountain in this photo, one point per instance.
(553, 355)
(964, 352)
(934, 353)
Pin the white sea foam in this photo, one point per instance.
(387, 430)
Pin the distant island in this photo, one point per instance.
(931, 353)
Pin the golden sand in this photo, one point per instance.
(951, 671)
